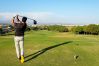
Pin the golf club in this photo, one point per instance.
(34, 21)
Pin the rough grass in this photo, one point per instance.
(46, 48)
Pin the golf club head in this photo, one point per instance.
(35, 22)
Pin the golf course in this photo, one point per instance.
(49, 48)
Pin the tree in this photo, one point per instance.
(0, 31)
(78, 30)
(92, 29)
(58, 28)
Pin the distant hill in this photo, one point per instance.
(5, 22)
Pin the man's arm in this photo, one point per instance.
(17, 18)
(12, 22)
(25, 26)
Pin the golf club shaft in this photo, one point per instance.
(26, 17)
(34, 21)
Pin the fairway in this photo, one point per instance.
(47, 48)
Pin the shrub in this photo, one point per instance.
(78, 30)
(89, 29)
(57, 28)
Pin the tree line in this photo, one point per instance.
(91, 29)
(58, 28)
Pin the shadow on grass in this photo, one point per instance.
(38, 53)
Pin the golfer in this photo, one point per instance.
(20, 27)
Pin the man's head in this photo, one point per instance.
(24, 19)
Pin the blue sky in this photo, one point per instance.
(52, 11)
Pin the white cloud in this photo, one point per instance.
(52, 18)
(41, 17)
(28, 14)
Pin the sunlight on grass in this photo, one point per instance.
(45, 48)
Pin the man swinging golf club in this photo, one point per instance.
(20, 26)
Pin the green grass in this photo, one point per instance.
(55, 49)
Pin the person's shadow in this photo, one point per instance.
(38, 53)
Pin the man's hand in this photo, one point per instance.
(17, 17)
